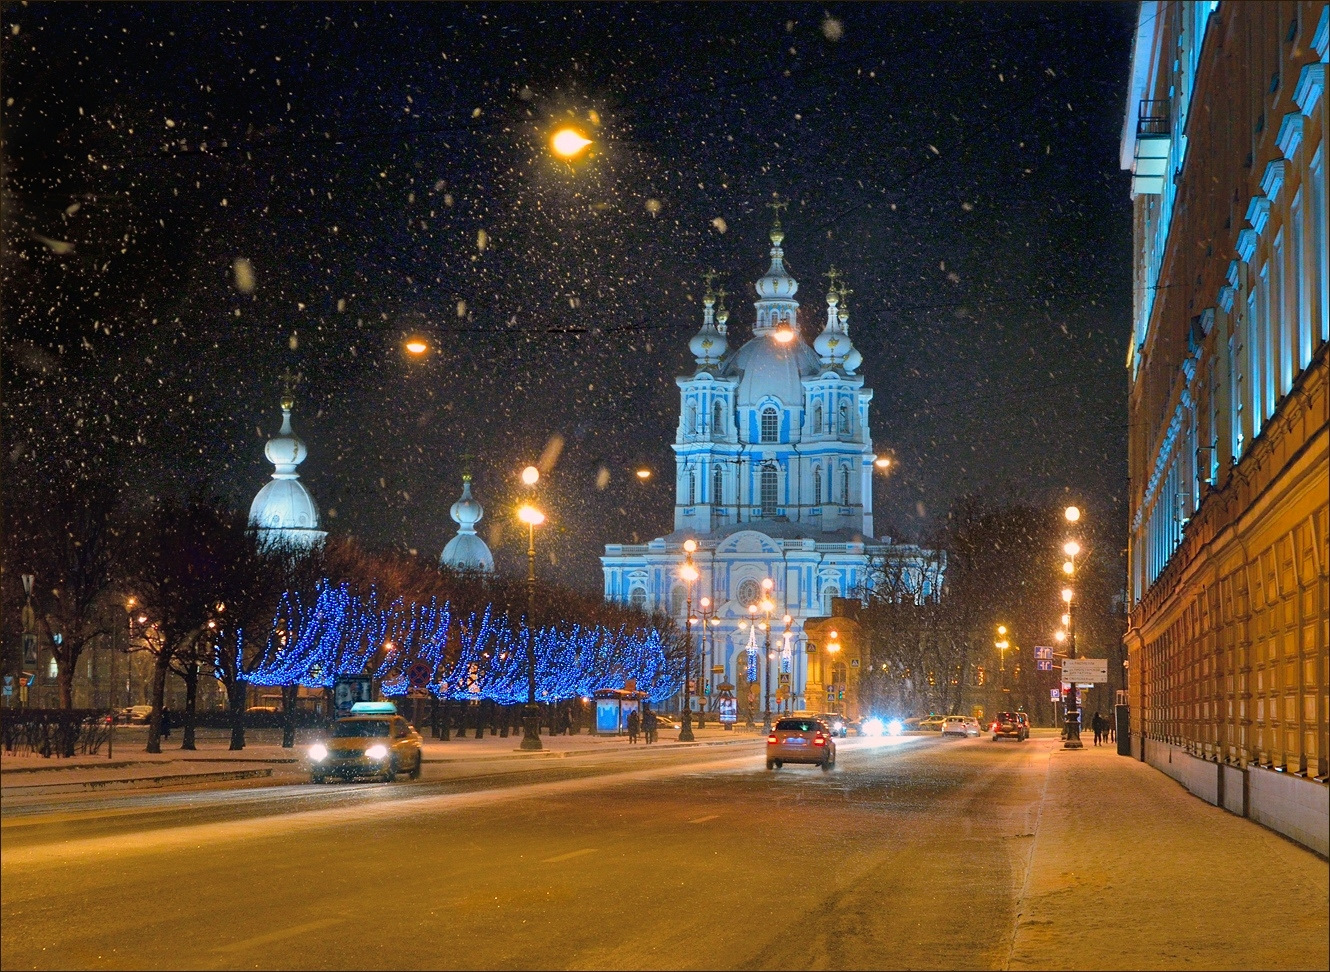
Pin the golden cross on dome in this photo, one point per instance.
(776, 205)
(709, 277)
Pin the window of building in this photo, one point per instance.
(1269, 344)
(1254, 383)
(845, 419)
(717, 417)
(638, 598)
(828, 592)
(1235, 393)
(1280, 322)
(845, 485)
(691, 427)
(749, 591)
(1320, 282)
(770, 425)
(817, 419)
(770, 487)
(718, 485)
(817, 484)
(52, 667)
(1302, 319)
(677, 597)
(692, 488)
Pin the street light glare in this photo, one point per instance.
(417, 346)
(1071, 548)
(690, 545)
(644, 474)
(1002, 629)
(568, 142)
(1068, 567)
(767, 583)
(1072, 514)
(882, 462)
(1059, 636)
(688, 572)
(1066, 594)
(530, 475)
(531, 516)
(784, 335)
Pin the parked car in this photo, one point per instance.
(801, 740)
(932, 724)
(135, 713)
(961, 726)
(1011, 724)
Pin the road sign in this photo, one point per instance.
(1055, 695)
(9, 685)
(350, 689)
(29, 648)
(1043, 651)
(418, 673)
(1043, 664)
(1085, 669)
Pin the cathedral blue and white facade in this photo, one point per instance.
(774, 466)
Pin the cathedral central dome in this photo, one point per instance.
(767, 368)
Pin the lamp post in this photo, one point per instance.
(1002, 644)
(705, 652)
(1071, 707)
(784, 655)
(767, 606)
(833, 648)
(532, 517)
(688, 574)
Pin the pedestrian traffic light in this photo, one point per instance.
(840, 696)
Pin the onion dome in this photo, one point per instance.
(283, 512)
(833, 345)
(776, 307)
(467, 551)
(709, 344)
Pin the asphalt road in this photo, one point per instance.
(911, 853)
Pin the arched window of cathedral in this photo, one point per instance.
(692, 420)
(845, 419)
(692, 488)
(677, 600)
(828, 592)
(817, 484)
(748, 592)
(718, 417)
(770, 424)
(770, 497)
(718, 485)
(817, 419)
(845, 485)
(638, 598)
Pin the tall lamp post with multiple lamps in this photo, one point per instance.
(533, 518)
(1002, 644)
(1071, 706)
(767, 607)
(688, 574)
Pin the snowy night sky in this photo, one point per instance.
(198, 197)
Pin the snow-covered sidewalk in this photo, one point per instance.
(1129, 870)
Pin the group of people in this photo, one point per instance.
(1104, 730)
(643, 724)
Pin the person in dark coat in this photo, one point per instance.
(649, 726)
(166, 722)
(634, 725)
(1097, 723)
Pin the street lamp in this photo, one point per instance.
(533, 518)
(416, 346)
(568, 143)
(706, 657)
(767, 607)
(688, 574)
(1071, 709)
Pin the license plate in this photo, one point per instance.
(796, 741)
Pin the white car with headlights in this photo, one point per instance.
(373, 742)
(961, 726)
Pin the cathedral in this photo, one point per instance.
(774, 467)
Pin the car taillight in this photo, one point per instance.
(819, 740)
(771, 738)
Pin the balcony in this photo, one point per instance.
(1153, 142)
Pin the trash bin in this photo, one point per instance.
(1122, 717)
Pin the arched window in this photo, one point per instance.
(817, 419)
(845, 419)
(692, 488)
(718, 485)
(828, 592)
(638, 598)
(677, 600)
(770, 425)
(817, 484)
(718, 417)
(691, 427)
(770, 496)
(845, 485)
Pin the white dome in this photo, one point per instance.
(283, 512)
(767, 368)
(777, 284)
(466, 551)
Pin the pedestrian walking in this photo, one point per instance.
(649, 725)
(1097, 724)
(166, 722)
(634, 725)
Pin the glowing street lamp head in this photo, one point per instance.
(1068, 567)
(530, 475)
(882, 462)
(568, 142)
(1071, 548)
(1066, 620)
(531, 516)
(416, 346)
(1072, 514)
(1066, 594)
(767, 583)
(1060, 636)
(1002, 629)
(644, 474)
(688, 572)
(705, 603)
(784, 335)
(767, 605)
(690, 546)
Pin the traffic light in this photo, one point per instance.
(840, 696)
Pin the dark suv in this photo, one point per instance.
(1011, 724)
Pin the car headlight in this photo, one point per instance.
(873, 727)
(318, 752)
(894, 727)
(377, 752)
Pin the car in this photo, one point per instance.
(932, 723)
(1009, 724)
(801, 740)
(136, 713)
(374, 741)
(836, 723)
(961, 726)
(261, 710)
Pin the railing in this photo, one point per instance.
(1152, 121)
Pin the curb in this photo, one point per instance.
(139, 782)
